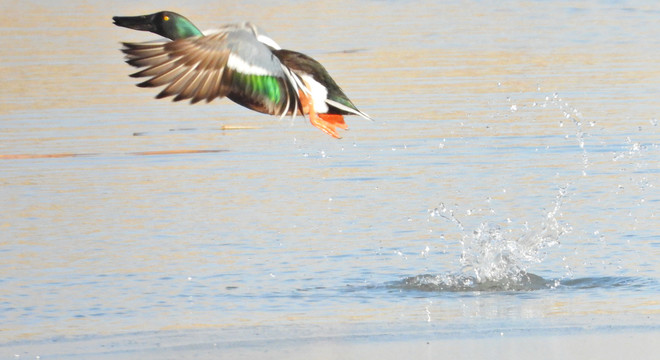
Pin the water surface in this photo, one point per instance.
(510, 180)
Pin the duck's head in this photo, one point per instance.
(164, 23)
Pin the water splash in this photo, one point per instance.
(490, 254)
(497, 257)
(465, 283)
(494, 258)
(525, 282)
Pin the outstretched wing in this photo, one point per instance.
(229, 63)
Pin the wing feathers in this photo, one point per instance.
(214, 85)
(197, 69)
(164, 77)
(148, 60)
(179, 84)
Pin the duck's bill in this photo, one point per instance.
(143, 22)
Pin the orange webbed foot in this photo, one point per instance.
(326, 126)
(336, 119)
(328, 122)
(325, 122)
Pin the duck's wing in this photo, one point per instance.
(228, 63)
(337, 101)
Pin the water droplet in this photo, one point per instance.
(425, 252)
(514, 108)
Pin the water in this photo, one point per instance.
(510, 180)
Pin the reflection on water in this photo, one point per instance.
(529, 129)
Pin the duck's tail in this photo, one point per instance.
(349, 109)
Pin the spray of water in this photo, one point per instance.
(490, 254)
(495, 259)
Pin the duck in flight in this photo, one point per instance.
(238, 62)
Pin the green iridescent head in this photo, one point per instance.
(164, 23)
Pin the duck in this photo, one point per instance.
(239, 62)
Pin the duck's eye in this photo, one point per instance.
(166, 18)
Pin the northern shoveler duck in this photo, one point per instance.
(238, 62)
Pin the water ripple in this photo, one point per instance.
(523, 282)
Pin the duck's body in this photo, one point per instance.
(238, 62)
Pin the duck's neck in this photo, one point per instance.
(184, 29)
